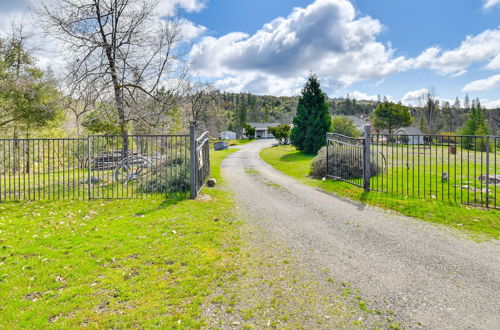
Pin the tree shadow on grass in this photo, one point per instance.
(162, 205)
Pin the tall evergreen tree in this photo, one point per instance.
(242, 115)
(475, 125)
(312, 120)
(467, 103)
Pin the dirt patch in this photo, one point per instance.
(204, 198)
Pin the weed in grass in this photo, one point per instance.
(395, 326)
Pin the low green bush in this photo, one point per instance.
(341, 162)
(166, 178)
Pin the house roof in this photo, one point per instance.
(411, 130)
(228, 132)
(263, 125)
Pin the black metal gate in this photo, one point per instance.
(103, 167)
(200, 169)
(348, 159)
(451, 168)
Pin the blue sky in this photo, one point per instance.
(407, 29)
(364, 48)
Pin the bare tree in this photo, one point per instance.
(430, 106)
(122, 46)
(199, 101)
(82, 99)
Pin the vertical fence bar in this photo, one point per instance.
(327, 154)
(366, 160)
(89, 169)
(192, 140)
(487, 172)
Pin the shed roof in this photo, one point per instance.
(411, 130)
(263, 125)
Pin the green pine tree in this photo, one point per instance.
(475, 125)
(312, 120)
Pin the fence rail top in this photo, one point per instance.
(44, 139)
(435, 135)
(336, 135)
(202, 137)
(92, 136)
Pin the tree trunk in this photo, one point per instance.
(119, 104)
(77, 122)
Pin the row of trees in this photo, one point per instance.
(29, 98)
(313, 119)
(126, 73)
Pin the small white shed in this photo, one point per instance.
(414, 135)
(262, 130)
(227, 135)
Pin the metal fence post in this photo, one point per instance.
(192, 140)
(488, 171)
(89, 170)
(366, 159)
(327, 160)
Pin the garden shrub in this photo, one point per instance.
(342, 162)
(166, 178)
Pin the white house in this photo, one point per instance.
(414, 135)
(262, 129)
(227, 135)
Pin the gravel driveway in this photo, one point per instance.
(428, 276)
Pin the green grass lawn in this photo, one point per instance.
(238, 142)
(417, 171)
(478, 223)
(121, 263)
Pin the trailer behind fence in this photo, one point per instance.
(101, 167)
(451, 168)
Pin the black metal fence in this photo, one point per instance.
(101, 167)
(451, 168)
(153, 164)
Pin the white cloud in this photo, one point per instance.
(490, 3)
(482, 84)
(166, 7)
(490, 104)
(474, 49)
(50, 52)
(191, 31)
(326, 37)
(414, 97)
(417, 97)
(362, 96)
(329, 39)
(261, 84)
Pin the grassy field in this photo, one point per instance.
(476, 222)
(418, 171)
(122, 263)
